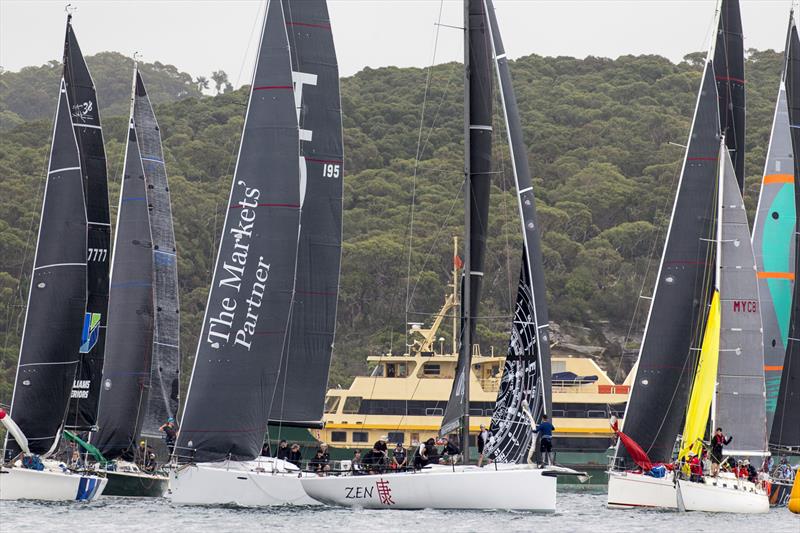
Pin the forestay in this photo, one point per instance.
(245, 327)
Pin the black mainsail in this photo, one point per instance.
(245, 328)
(82, 98)
(300, 397)
(729, 70)
(478, 163)
(129, 342)
(57, 298)
(785, 431)
(666, 359)
(164, 371)
(526, 373)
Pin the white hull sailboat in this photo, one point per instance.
(260, 483)
(509, 487)
(54, 483)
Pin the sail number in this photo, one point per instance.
(330, 170)
(97, 254)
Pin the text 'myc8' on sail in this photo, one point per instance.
(245, 328)
(83, 106)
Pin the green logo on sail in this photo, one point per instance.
(91, 331)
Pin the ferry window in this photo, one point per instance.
(596, 413)
(391, 371)
(360, 436)
(377, 372)
(558, 413)
(402, 370)
(396, 436)
(495, 370)
(434, 411)
(332, 404)
(352, 405)
(432, 369)
(338, 436)
(415, 439)
(475, 412)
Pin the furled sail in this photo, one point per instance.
(729, 69)
(526, 373)
(301, 395)
(774, 243)
(739, 406)
(82, 413)
(164, 371)
(57, 298)
(245, 327)
(785, 432)
(660, 392)
(479, 112)
(129, 340)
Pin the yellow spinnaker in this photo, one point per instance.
(705, 380)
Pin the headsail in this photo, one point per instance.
(82, 414)
(739, 403)
(164, 371)
(479, 111)
(774, 242)
(674, 326)
(304, 379)
(526, 374)
(245, 327)
(57, 298)
(129, 346)
(729, 69)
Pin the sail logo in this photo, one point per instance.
(80, 389)
(91, 331)
(220, 327)
(83, 111)
(745, 306)
(299, 79)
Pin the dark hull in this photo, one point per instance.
(779, 494)
(135, 485)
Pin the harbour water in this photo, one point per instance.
(577, 511)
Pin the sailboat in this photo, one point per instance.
(55, 319)
(142, 362)
(263, 357)
(706, 303)
(511, 482)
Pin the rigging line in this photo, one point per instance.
(416, 166)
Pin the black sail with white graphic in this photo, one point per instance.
(526, 373)
(57, 297)
(245, 327)
(729, 70)
(82, 98)
(480, 161)
(785, 432)
(301, 395)
(164, 371)
(129, 340)
(673, 332)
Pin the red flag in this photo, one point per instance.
(457, 262)
(634, 450)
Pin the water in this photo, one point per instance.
(578, 511)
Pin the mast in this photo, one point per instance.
(466, 292)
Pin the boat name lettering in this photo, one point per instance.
(745, 306)
(358, 493)
(80, 388)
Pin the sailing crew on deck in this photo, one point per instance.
(717, 443)
(170, 433)
(295, 456)
(318, 464)
(283, 450)
(376, 460)
(399, 457)
(324, 456)
(426, 454)
(483, 440)
(265, 451)
(355, 464)
(545, 431)
(450, 452)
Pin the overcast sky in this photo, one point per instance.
(199, 36)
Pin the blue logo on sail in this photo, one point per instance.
(91, 331)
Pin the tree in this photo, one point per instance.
(220, 80)
(201, 82)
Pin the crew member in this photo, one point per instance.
(545, 431)
(718, 441)
(170, 433)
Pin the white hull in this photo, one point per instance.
(724, 494)
(441, 487)
(19, 483)
(259, 483)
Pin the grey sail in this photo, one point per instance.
(57, 298)
(245, 328)
(774, 244)
(129, 336)
(301, 396)
(526, 373)
(660, 390)
(164, 371)
(479, 111)
(739, 405)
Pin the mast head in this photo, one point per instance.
(69, 9)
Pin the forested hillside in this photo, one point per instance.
(599, 135)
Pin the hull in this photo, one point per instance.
(48, 485)
(440, 488)
(246, 483)
(780, 492)
(723, 495)
(628, 490)
(135, 484)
